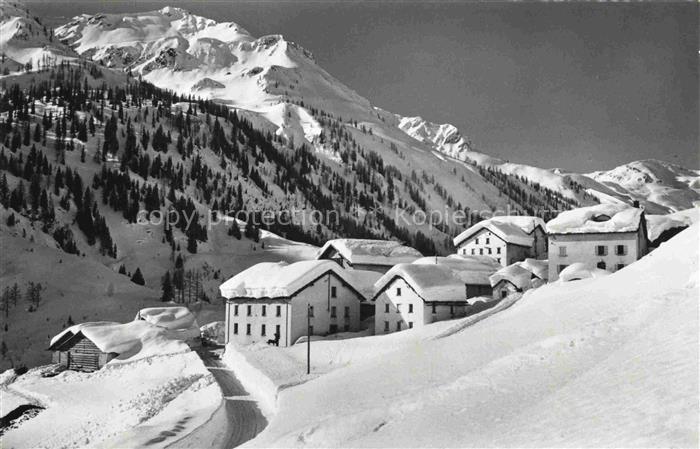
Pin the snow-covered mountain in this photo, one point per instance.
(280, 81)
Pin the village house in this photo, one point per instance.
(413, 295)
(605, 236)
(508, 239)
(366, 254)
(473, 271)
(519, 277)
(270, 302)
(81, 348)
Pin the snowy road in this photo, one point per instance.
(240, 420)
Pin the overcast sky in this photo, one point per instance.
(578, 86)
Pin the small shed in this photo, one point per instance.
(76, 351)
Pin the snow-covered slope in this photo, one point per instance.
(24, 40)
(602, 362)
(444, 137)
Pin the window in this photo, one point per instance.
(464, 251)
(410, 308)
(452, 310)
(235, 328)
(476, 241)
(619, 266)
(473, 251)
(386, 308)
(562, 251)
(504, 293)
(264, 310)
(398, 291)
(311, 330)
(235, 310)
(334, 292)
(489, 250)
(560, 268)
(488, 240)
(262, 330)
(311, 311)
(398, 326)
(481, 251)
(386, 326)
(279, 311)
(346, 314)
(498, 250)
(410, 324)
(249, 310)
(398, 308)
(434, 308)
(247, 329)
(601, 250)
(333, 312)
(277, 330)
(601, 265)
(620, 250)
(333, 328)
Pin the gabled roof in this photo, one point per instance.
(371, 252)
(601, 218)
(513, 229)
(281, 280)
(472, 270)
(539, 268)
(514, 273)
(433, 283)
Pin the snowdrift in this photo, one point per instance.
(178, 321)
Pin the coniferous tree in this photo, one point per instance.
(167, 289)
(137, 278)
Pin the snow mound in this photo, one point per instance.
(178, 320)
(470, 269)
(577, 271)
(657, 224)
(598, 218)
(515, 274)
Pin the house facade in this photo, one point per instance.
(270, 300)
(413, 295)
(508, 239)
(608, 237)
(77, 352)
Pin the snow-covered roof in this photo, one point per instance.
(580, 270)
(433, 283)
(539, 268)
(364, 280)
(603, 218)
(514, 273)
(135, 339)
(176, 319)
(371, 252)
(470, 269)
(513, 229)
(281, 279)
(657, 224)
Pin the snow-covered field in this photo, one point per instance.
(155, 397)
(609, 361)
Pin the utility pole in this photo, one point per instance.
(308, 339)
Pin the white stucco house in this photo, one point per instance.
(272, 299)
(519, 277)
(367, 254)
(508, 239)
(413, 295)
(605, 236)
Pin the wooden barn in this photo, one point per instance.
(77, 352)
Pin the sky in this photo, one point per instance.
(578, 86)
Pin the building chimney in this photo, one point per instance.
(635, 204)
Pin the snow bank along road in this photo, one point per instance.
(243, 417)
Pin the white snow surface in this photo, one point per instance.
(602, 362)
(374, 252)
(432, 282)
(598, 218)
(579, 270)
(657, 224)
(470, 269)
(178, 320)
(511, 228)
(514, 273)
(279, 280)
